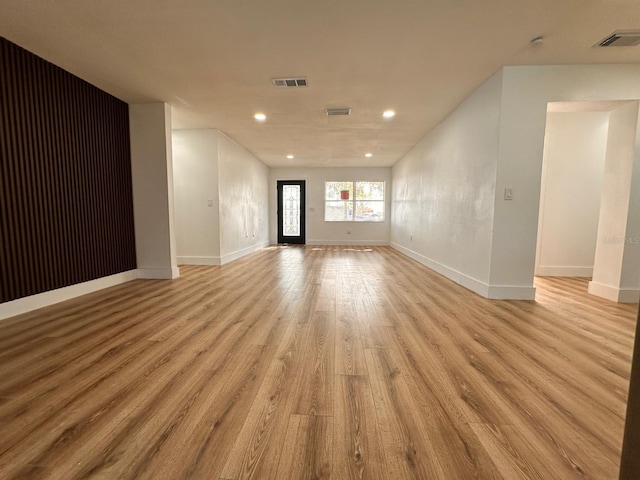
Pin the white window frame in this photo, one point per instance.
(355, 201)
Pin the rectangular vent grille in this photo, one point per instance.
(629, 38)
(338, 111)
(290, 82)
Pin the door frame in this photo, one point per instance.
(301, 240)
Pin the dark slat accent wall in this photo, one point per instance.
(66, 206)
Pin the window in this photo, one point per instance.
(354, 201)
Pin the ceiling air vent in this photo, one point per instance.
(338, 111)
(626, 38)
(290, 82)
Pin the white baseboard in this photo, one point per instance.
(495, 292)
(615, 294)
(511, 292)
(210, 260)
(472, 284)
(230, 257)
(159, 273)
(40, 300)
(557, 271)
(199, 261)
(364, 243)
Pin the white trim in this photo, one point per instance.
(474, 285)
(199, 261)
(615, 294)
(511, 292)
(40, 300)
(629, 295)
(230, 257)
(159, 273)
(557, 271)
(496, 292)
(428, 262)
(364, 243)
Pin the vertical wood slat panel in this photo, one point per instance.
(14, 175)
(5, 175)
(66, 201)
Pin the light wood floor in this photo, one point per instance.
(315, 362)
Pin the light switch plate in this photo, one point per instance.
(508, 193)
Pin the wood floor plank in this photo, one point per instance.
(210, 416)
(349, 345)
(510, 462)
(358, 449)
(308, 448)
(315, 387)
(97, 394)
(256, 451)
(370, 323)
(409, 451)
(315, 362)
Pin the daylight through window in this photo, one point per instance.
(354, 201)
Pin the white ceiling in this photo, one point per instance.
(213, 61)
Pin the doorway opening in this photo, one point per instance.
(291, 211)
(585, 193)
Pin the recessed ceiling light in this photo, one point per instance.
(261, 117)
(289, 157)
(388, 114)
(368, 155)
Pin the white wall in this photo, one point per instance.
(525, 94)
(617, 263)
(444, 189)
(152, 179)
(195, 167)
(243, 198)
(573, 170)
(319, 232)
(212, 168)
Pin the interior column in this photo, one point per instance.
(152, 177)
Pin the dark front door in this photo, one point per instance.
(291, 210)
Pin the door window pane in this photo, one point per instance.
(291, 207)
